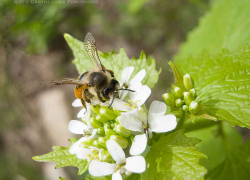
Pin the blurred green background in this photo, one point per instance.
(32, 50)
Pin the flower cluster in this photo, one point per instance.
(182, 97)
(125, 127)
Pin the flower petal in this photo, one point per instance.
(97, 168)
(141, 95)
(130, 122)
(77, 103)
(73, 149)
(139, 144)
(82, 153)
(88, 114)
(163, 124)
(115, 151)
(156, 109)
(135, 164)
(126, 73)
(120, 105)
(116, 176)
(81, 113)
(77, 127)
(138, 77)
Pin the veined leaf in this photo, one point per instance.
(174, 157)
(63, 158)
(113, 61)
(222, 82)
(225, 26)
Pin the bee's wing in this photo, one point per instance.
(63, 81)
(90, 47)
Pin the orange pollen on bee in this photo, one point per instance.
(78, 92)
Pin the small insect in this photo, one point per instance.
(98, 83)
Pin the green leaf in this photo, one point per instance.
(63, 158)
(222, 84)
(215, 139)
(113, 61)
(236, 166)
(225, 26)
(174, 157)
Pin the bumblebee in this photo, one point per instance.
(98, 83)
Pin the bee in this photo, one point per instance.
(96, 84)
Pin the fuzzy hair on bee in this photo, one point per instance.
(96, 84)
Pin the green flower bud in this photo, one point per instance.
(110, 132)
(178, 92)
(122, 131)
(94, 123)
(106, 157)
(96, 109)
(87, 143)
(100, 131)
(169, 99)
(101, 119)
(102, 141)
(188, 82)
(107, 125)
(179, 102)
(107, 113)
(117, 112)
(193, 92)
(185, 108)
(194, 107)
(188, 98)
(120, 140)
(96, 144)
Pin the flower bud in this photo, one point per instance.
(179, 102)
(120, 140)
(185, 108)
(87, 143)
(110, 132)
(188, 98)
(96, 109)
(100, 131)
(117, 112)
(101, 119)
(193, 92)
(178, 92)
(96, 144)
(102, 141)
(107, 113)
(122, 131)
(107, 125)
(194, 107)
(106, 157)
(188, 82)
(169, 99)
(128, 173)
(94, 123)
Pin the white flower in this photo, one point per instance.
(137, 98)
(91, 153)
(157, 122)
(126, 74)
(78, 127)
(135, 164)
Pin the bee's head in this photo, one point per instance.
(111, 90)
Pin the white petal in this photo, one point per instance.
(136, 164)
(77, 103)
(115, 151)
(130, 122)
(88, 114)
(137, 88)
(139, 144)
(73, 149)
(97, 168)
(117, 176)
(126, 73)
(123, 94)
(94, 135)
(163, 124)
(82, 153)
(156, 109)
(138, 77)
(120, 105)
(81, 113)
(142, 94)
(77, 127)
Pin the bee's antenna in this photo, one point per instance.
(113, 98)
(127, 90)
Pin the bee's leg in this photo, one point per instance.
(100, 97)
(86, 96)
(83, 103)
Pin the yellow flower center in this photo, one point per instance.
(132, 104)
